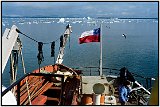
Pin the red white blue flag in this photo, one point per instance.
(90, 36)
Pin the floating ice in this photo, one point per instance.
(21, 23)
(3, 24)
(92, 22)
(61, 20)
(116, 21)
(88, 18)
(47, 22)
(29, 23)
(35, 22)
(77, 22)
(155, 21)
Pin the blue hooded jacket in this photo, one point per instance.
(123, 93)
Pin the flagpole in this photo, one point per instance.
(100, 67)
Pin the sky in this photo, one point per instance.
(81, 9)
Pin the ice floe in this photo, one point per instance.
(3, 24)
(35, 22)
(47, 22)
(21, 23)
(88, 18)
(61, 20)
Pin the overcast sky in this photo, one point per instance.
(81, 9)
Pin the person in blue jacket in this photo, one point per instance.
(124, 90)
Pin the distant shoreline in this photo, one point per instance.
(75, 17)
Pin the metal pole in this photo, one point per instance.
(150, 82)
(100, 50)
(147, 83)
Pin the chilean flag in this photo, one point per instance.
(90, 36)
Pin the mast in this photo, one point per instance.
(65, 37)
(100, 65)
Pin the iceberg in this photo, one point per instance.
(61, 20)
(88, 18)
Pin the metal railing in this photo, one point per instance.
(17, 83)
(92, 70)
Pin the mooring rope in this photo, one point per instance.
(40, 44)
(29, 97)
(34, 39)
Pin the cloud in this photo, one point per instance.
(113, 9)
(30, 4)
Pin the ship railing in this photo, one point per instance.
(17, 83)
(92, 71)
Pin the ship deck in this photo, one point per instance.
(89, 81)
(110, 89)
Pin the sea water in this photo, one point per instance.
(138, 52)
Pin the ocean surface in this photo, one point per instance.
(138, 52)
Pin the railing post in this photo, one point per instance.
(110, 71)
(18, 93)
(150, 82)
(138, 100)
(147, 83)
